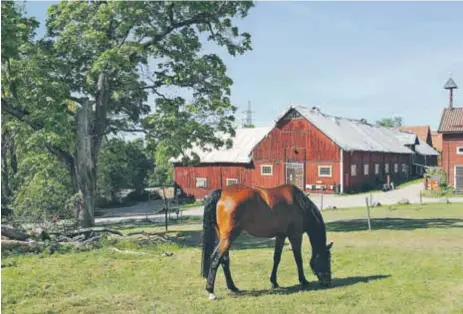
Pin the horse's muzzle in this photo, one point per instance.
(324, 280)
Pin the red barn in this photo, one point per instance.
(313, 150)
(451, 128)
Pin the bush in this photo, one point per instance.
(144, 196)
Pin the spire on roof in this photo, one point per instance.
(450, 85)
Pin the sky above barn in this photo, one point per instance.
(366, 60)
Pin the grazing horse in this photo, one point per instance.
(280, 212)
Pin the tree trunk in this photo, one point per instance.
(85, 166)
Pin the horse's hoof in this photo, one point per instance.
(212, 296)
(305, 283)
(275, 286)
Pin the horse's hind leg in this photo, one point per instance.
(226, 269)
(279, 244)
(216, 259)
(296, 244)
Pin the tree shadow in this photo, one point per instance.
(393, 224)
(313, 286)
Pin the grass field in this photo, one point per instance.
(410, 263)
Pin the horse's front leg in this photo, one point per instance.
(296, 244)
(279, 244)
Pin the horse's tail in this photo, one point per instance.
(209, 230)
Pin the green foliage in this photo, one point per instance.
(92, 73)
(390, 122)
(438, 172)
(123, 165)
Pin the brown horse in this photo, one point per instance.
(280, 212)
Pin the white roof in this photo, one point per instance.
(354, 135)
(243, 143)
(424, 149)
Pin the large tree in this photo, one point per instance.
(93, 72)
(390, 122)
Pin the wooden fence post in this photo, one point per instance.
(368, 212)
(321, 205)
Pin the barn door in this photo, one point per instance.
(295, 174)
(459, 178)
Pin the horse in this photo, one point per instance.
(280, 212)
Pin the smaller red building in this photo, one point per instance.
(451, 128)
(310, 149)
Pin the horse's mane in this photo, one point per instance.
(309, 207)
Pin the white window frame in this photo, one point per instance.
(266, 174)
(396, 168)
(367, 168)
(404, 167)
(386, 167)
(353, 170)
(376, 168)
(458, 150)
(325, 175)
(230, 181)
(201, 179)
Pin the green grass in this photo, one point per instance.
(409, 263)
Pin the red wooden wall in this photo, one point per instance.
(449, 156)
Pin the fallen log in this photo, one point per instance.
(87, 231)
(22, 246)
(13, 233)
(143, 232)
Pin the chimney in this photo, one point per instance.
(450, 85)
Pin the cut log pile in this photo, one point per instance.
(22, 241)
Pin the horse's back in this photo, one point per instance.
(262, 212)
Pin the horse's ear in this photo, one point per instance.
(329, 246)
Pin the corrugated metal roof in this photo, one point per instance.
(244, 141)
(424, 149)
(355, 135)
(451, 120)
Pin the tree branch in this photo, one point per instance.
(22, 115)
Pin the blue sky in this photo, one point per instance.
(354, 59)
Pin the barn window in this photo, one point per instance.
(366, 169)
(324, 171)
(460, 150)
(376, 168)
(201, 182)
(353, 170)
(231, 181)
(386, 168)
(404, 168)
(266, 170)
(396, 168)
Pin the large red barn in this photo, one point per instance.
(308, 148)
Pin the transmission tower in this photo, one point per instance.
(247, 121)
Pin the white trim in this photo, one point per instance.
(234, 180)
(458, 150)
(376, 169)
(396, 167)
(387, 169)
(342, 171)
(325, 175)
(266, 174)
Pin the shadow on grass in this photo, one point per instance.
(335, 283)
(192, 238)
(393, 224)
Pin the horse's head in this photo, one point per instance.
(321, 265)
